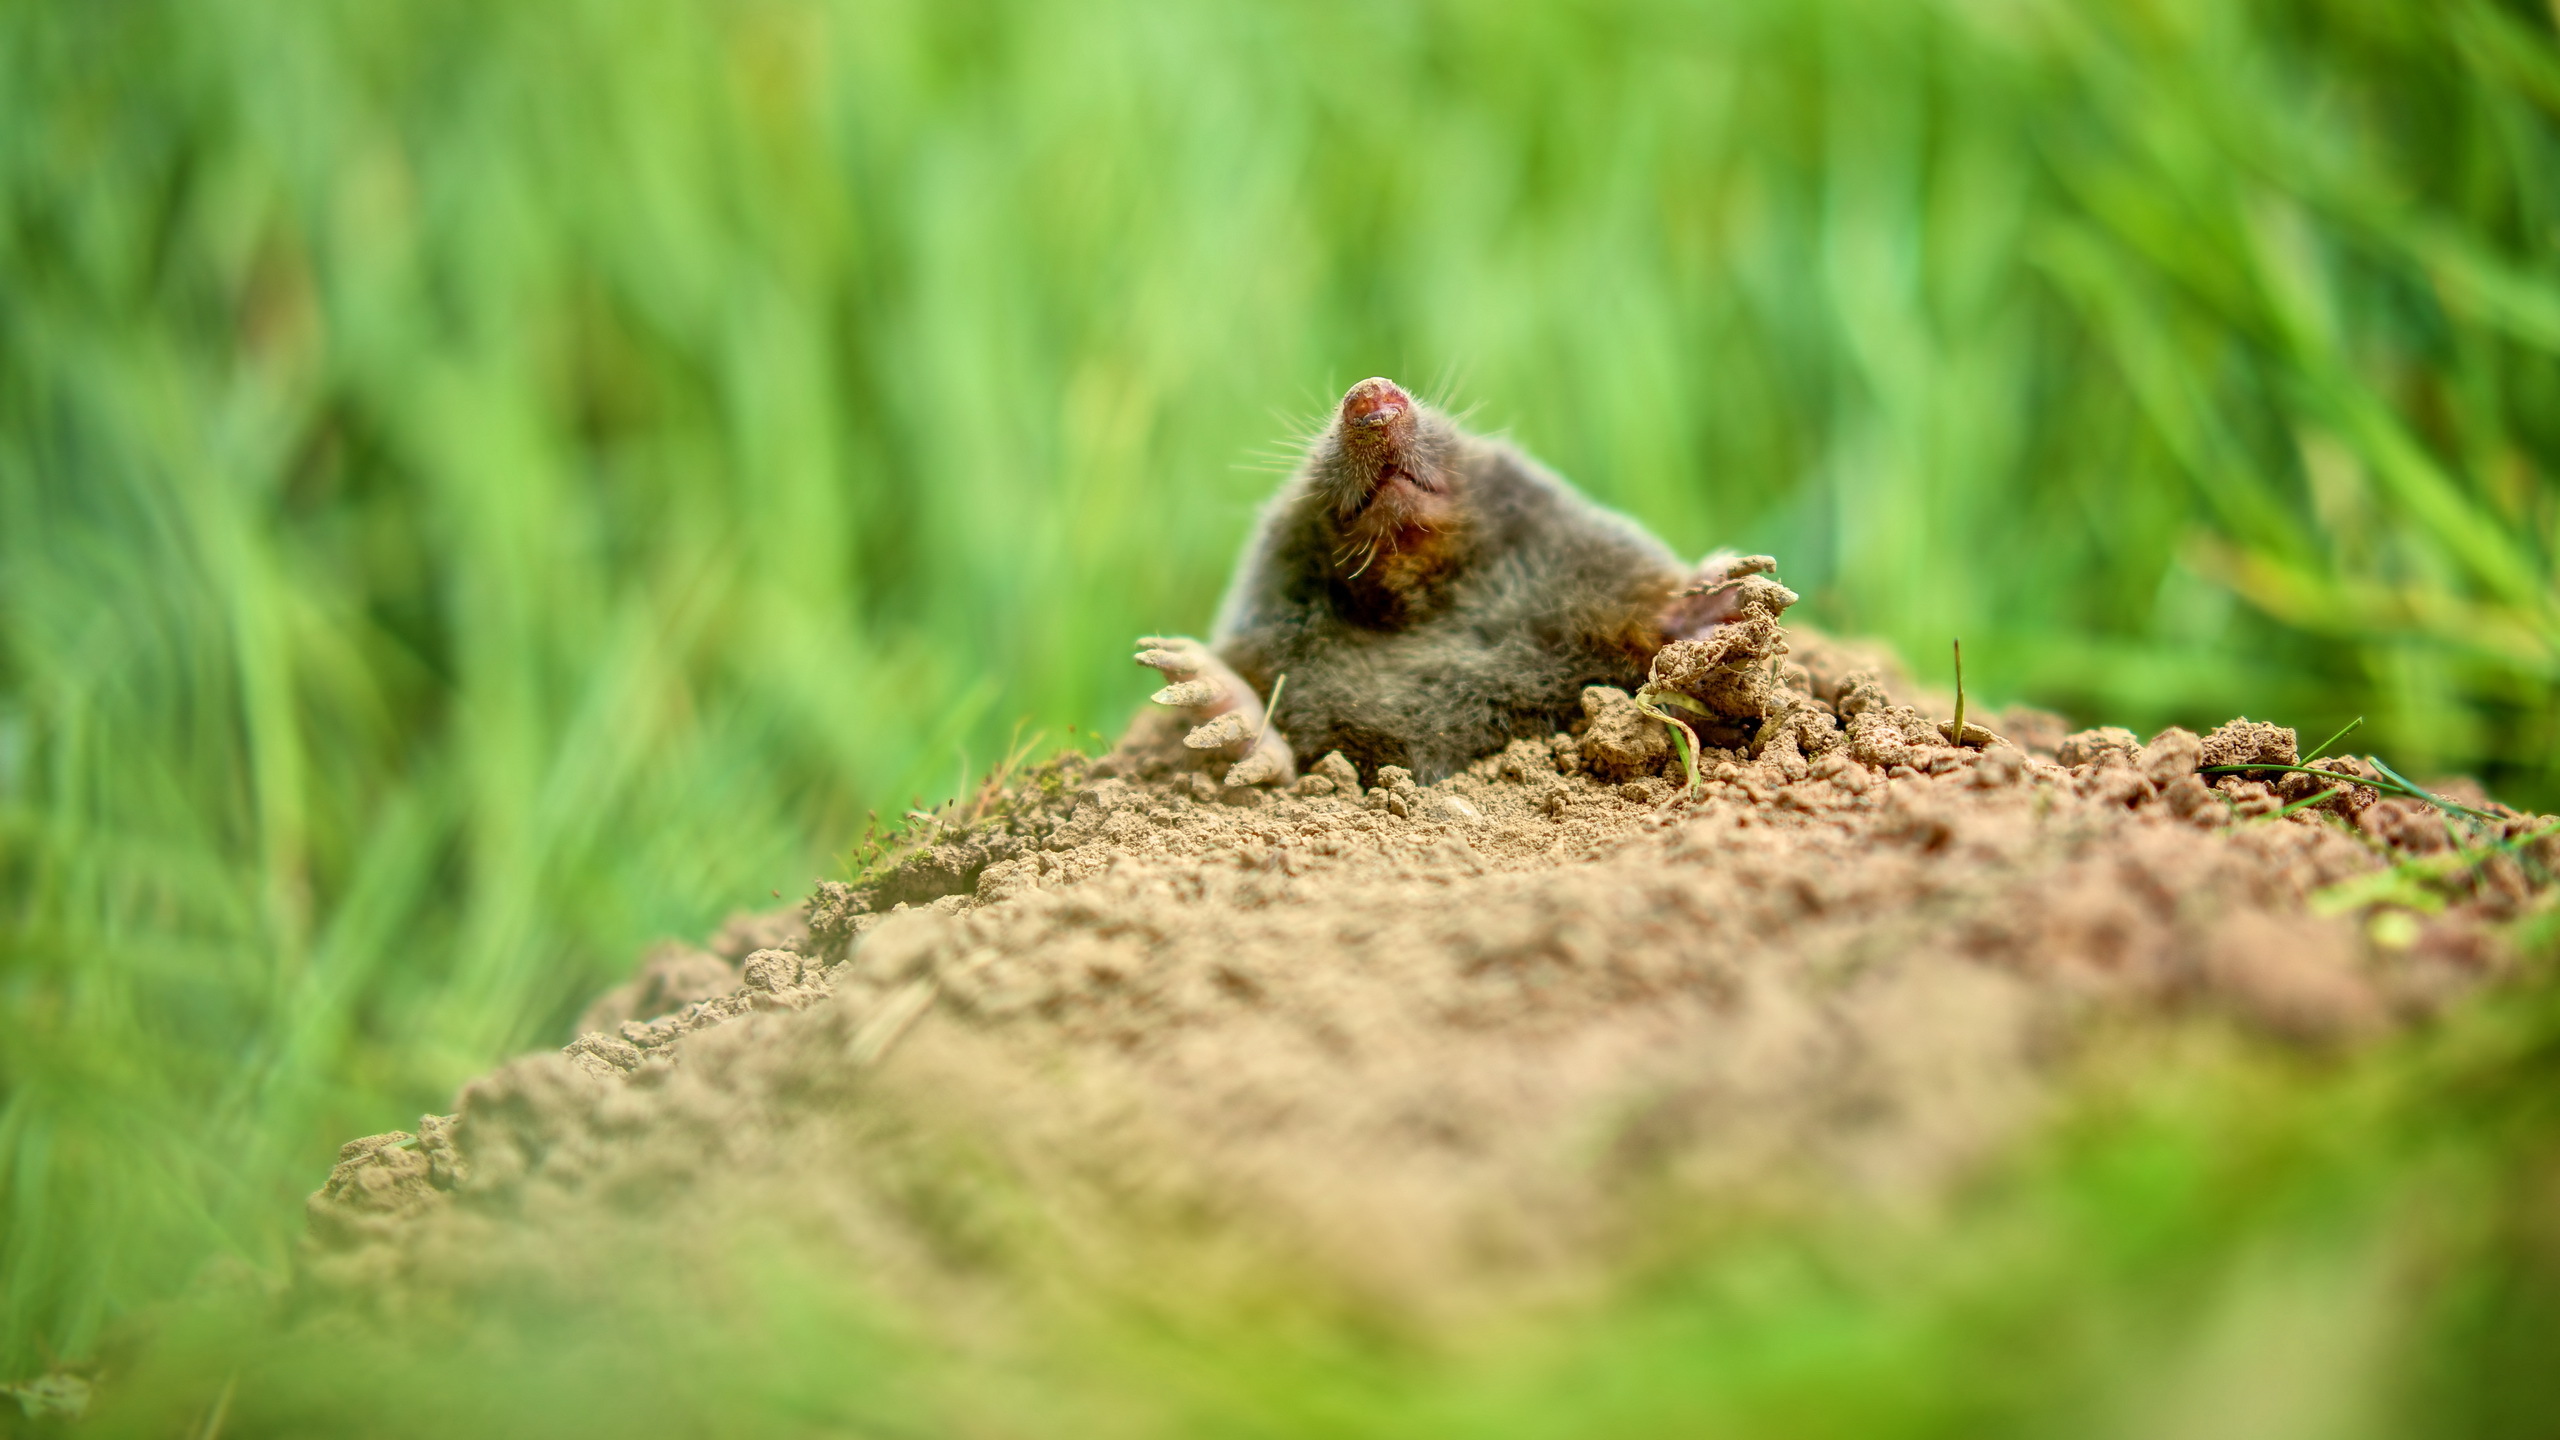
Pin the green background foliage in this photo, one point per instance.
(484, 485)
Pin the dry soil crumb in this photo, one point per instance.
(1426, 1044)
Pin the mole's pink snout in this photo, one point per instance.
(1373, 405)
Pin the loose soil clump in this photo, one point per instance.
(1427, 1046)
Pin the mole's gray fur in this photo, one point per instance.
(1431, 595)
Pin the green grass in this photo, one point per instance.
(483, 485)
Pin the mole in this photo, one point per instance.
(1419, 596)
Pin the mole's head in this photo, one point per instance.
(1386, 473)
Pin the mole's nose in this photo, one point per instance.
(1374, 402)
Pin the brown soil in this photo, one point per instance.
(1426, 1047)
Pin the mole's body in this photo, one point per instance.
(1428, 596)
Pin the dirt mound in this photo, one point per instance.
(1432, 1045)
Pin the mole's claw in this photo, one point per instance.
(1713, 595)
(1260, 767)
(1231, 719)
(1264, 766)
(1228, 729)
(1724, 568)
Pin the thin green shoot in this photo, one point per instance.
(1271, 706)
(1650, 699)
(1956, 731)
(2390, 782)
(2418, 793)
(2306, 803)
(2323, 747)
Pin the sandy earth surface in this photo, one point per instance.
(1440, 1048)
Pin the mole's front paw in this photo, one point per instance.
(1228, 715)
(1713, 594)
(1199, 681)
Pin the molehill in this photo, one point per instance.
(1434, 1048)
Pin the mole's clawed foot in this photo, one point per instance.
(1230, 716)
(1708, 600)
